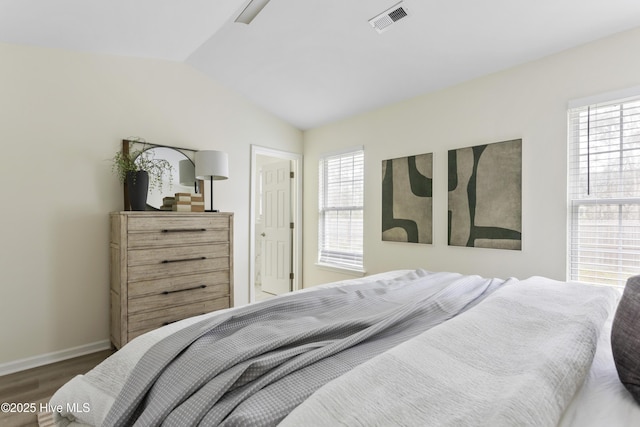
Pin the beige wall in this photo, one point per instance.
(528, 102)
(62, 117)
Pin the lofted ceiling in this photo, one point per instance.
(312, 62)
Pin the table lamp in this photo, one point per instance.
(214, 166)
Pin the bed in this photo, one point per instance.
(406, 347)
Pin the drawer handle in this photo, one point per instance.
(174, 321)
(183, 230)
(183, 290)
(167, 261)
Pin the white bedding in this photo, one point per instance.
(602, 400)
(516, 359)
(101, 385)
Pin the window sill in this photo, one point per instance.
(346, 270)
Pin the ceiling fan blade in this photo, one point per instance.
(251, 11)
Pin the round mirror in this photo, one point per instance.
(182, 175)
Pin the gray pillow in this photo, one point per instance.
(625, 337)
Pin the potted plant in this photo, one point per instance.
(142, 172)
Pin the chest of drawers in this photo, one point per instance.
(167, 266)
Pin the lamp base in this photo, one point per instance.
(212, 210)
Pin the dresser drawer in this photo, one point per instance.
(173, 222)
(174, 269)
(176, 283)
(168, 299)
(144, 322)
(185, 236)
(177, 254)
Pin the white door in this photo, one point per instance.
(276, 235)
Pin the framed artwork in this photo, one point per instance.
(485, 196)
(407, 199)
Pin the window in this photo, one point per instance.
(604, 192)
(341, 207)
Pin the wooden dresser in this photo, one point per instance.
(167, 266)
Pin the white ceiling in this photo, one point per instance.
(315, 61)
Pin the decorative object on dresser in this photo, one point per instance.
(138, 189)
(214, 166)
(167, 267)
(183, 202)
(187, 202)
(177, 160)
(167, 203)
(141, 171)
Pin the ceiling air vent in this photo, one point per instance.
(383, 21)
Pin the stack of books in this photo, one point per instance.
(167, 203)
(187, 202)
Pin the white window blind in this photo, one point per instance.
(341, 206)
(604, 192)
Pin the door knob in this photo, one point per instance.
(262, 234)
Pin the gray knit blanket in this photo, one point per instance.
(516, 359)
(254, 365)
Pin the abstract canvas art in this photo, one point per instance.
(485, 196)
(407, 199)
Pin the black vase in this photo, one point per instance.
(138, 185)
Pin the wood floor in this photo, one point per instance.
(261, 296)
(37, 385)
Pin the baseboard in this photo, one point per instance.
(56, 356)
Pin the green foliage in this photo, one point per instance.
(142, 160)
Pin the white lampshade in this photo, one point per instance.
(187, 172)
(212, 164)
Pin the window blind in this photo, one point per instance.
(341, 205)
(604, 192)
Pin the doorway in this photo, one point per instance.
(275, 253)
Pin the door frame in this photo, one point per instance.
(296, 202)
